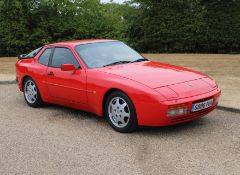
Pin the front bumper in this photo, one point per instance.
(191, 116)
(156, 114)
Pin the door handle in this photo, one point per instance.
(51, 74)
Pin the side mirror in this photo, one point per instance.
(22, 56)
(68, 67)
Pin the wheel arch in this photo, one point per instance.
(107, 93)
(21, 83)
(134, 117)
(23, 79)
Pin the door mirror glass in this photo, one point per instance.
(67, 67)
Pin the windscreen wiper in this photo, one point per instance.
(117, 62)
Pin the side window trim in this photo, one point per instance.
(51, 57)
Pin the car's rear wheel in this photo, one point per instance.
(31, 93)
(120, 112)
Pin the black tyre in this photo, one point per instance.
(120, 112)
(31, 93)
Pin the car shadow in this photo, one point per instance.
(65, 112)
(178, 128)
(61, 111)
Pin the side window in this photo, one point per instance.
(63, 56)
(44, 58)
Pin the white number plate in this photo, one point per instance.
(202, 105)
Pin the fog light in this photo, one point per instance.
(172, 113)
(176, 110)
(180, 111)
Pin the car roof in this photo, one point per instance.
(79, 42)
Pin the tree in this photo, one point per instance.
(26, 25)
(223, 22)
(172, 26)
(14, 29)
(186, 26)
(147, 25)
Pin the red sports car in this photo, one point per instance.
(108, 78)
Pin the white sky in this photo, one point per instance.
(118, 1)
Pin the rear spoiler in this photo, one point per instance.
(22, 56)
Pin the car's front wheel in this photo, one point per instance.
(120, 112)
(31, 93)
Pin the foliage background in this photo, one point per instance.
(203, 26)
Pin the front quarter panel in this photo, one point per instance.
(145, 99)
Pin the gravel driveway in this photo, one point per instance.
(57, 140)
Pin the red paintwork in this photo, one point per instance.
(67, 67)
(152, 86)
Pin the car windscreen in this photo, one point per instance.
(104, 53)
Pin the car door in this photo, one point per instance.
(66, 86)
(40, 71)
